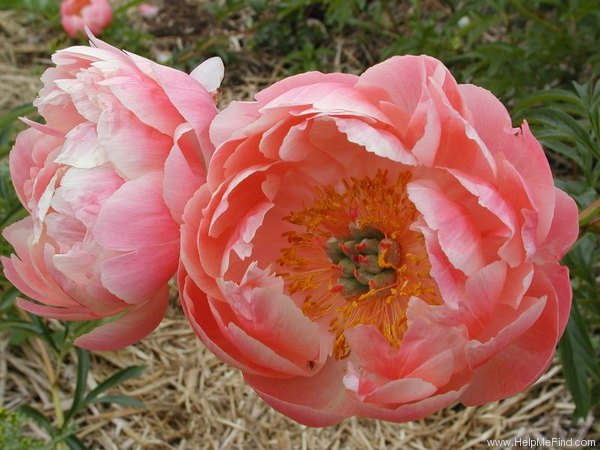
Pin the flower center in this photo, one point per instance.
(355, 260)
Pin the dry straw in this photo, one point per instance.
(196, 402)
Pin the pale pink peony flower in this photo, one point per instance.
(76, 15)
(105, 180)
(148, 10)
(377, 246)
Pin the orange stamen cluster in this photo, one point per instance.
(355, 260)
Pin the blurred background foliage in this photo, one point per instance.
(540, 57)
(512, 47)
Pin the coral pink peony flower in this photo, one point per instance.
(105, 180)
(377, 246)
(78, 14)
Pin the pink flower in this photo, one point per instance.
(78, 14)
(105, 180)
(148, 10)
(377, 246)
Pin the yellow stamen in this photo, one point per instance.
(378, 293)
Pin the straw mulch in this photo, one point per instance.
(20, 52)
(196, 402)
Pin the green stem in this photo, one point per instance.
(535, 17)
(589, 219)
(590, 214)
(53, 380)
(51, 375)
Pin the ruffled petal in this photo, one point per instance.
(300, 399)
(135, 323)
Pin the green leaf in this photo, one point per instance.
(11, 433)
(20, 325)
(121, 400)
(578, 362)
(37, 417)
(123, 8)
(119, 377)
(75, 443)
(567, 124)
(83, 369)
(64, 435)
(81, 328)
(9, 294)
(12, 115)
(15, 213)
(45, 333)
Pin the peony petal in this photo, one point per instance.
(136, 216)
(272, 317)
(508, 326)
(482, 295)
(49, 312)
(563, 230)
(449, 279)
(330, 97)
(189, 253)
(210, 73)
(492, 200)
(378, 141)
(411, 411)
(247, 198)
(525, 359)
(458, 236)
(298, 398)
(423, 352)
(201, 315)
(81, 148)
(77, 274)
(493, 125)
(398, 80)
(82, 192)
(185, 171)
(133, 93)
(559, 277)
(304, 79)
(31, 151)
(230, 122)
(131, 146)
(191, 99)
(28, 272)
(261, 354)
(405, 390)
(136, 275)
(136, 323)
